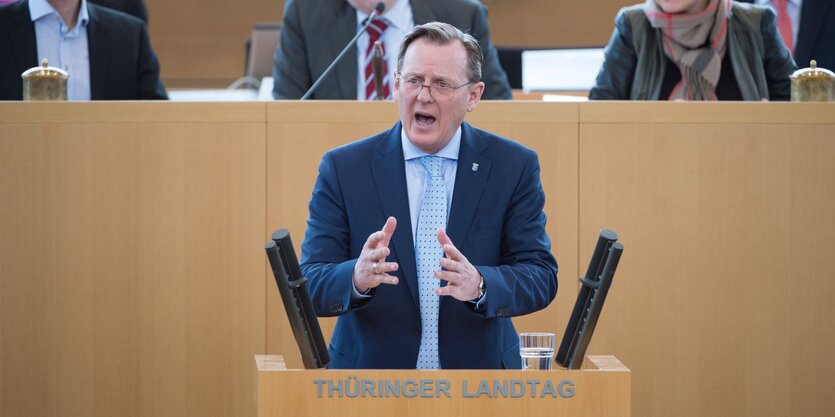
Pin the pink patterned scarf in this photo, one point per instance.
(696, 43)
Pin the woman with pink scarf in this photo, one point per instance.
(695, 50)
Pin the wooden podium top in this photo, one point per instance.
(266, 363)
(601, 388)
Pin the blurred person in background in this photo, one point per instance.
(132, 7)
(695, 50)
(314, 32)
(107, 53)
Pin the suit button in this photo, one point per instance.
(416, 331)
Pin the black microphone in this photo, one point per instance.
(378, 9)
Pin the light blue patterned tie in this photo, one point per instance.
(428, 251)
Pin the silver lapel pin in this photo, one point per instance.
(475, 167)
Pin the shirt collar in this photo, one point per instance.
(41, 8)
(450, 151)
(83, 15)
(397, 16)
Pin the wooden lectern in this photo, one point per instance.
(601, 388)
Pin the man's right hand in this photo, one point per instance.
(371, 269)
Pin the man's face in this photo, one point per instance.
(430, 120)
(366, 6)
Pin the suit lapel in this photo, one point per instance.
(470, 179)
(23, 41)
(390, 180)
(343, 27)
(99, 60)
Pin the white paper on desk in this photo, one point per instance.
(212, 95)
(560, 69)
(563, 98)
(265, 92)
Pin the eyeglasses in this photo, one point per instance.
(439, 90)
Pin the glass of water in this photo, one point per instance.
(537, 350)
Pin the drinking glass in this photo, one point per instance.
(537, 350)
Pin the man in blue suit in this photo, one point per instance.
(364, 252)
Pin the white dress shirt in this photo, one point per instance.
(417, 176)
(401, 22)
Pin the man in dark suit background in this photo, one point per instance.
(119, 64)
(815, 30)
(314, 32)
(409, 294)
(132, 7)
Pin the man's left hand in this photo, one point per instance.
(461, 276)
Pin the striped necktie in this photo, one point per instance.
(432, 217)
(375, 32)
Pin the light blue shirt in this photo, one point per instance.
(64, 48)
(401, 22)
(417, 176)
(793, 9)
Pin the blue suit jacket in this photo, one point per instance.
(496, 220)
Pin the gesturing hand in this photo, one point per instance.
(461, 276)
(371, 269)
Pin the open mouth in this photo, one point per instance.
(424, 119)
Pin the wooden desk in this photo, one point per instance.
(133, 281)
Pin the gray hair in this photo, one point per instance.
(440, 33)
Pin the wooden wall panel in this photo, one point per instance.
(721, 301)
(132, 281)
(300, 133)
(201, 43)
(553, 23)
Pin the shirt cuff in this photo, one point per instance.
(356, 295)
(477, 302)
